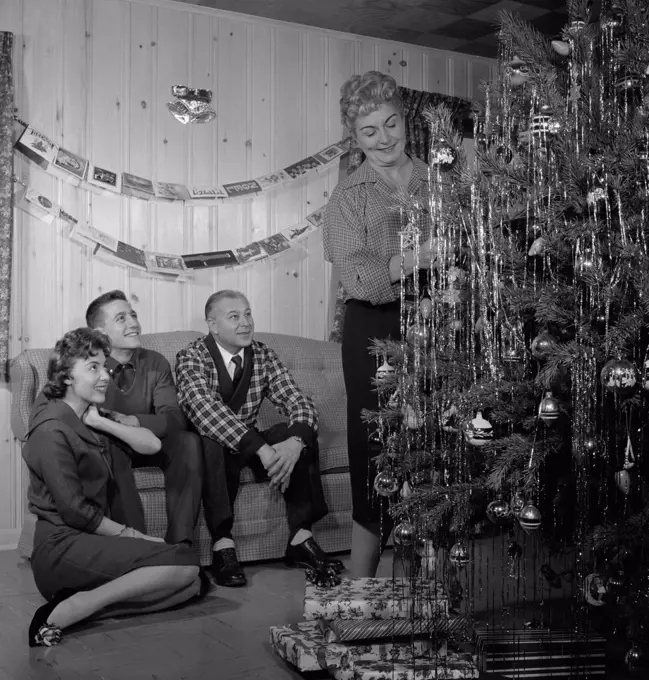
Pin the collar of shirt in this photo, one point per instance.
(367, 174)
(113, 366)
(227, 358)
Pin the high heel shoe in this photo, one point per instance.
(41, 632)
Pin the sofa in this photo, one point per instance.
(260, 528)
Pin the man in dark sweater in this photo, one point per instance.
(142, 392)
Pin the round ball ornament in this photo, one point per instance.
(459, 554)
(623, 481)
(384, 372)
(549, 408)
(426, 308)
(418, 337)
(443, 156)
(620, 376)
(386, 483)
(635, 661)
(530, 517)
(479, 431)
(594, 590)
(542, 346)
(499, 512)
(404, 534)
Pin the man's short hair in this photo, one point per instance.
(215, 298)
(96, 307)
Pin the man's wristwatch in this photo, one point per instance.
(300, 440)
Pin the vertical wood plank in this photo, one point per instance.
(314, 284)
(388, 58)
(72, 283)
(480, 71)
(201, 222)
(42, 82)
(259, 286)
(231, 142)
(436, 72)
(289, 202)
(459, 76)
(169, 161)
(109, 103)
(142, 118)
(413, 67)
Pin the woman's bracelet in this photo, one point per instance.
(121, 531)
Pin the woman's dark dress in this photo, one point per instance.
(72, 488)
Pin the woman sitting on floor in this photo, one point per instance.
(83, 561)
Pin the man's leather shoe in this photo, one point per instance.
(310, 554)
(226, 570)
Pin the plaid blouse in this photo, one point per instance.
(197, 382)
(361, 231)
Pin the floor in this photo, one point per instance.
(225, 636)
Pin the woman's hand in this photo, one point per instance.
(129, 532)
(92, 418)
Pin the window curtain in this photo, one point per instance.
(418, 143)
(6, 188)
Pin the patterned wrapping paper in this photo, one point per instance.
(340, 655)
(455, 666)
(304, 646)
(299, 644)
(540, 653)
(348, 630)
(376, 598)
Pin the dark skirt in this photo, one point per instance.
(65, 558)
(364, 322)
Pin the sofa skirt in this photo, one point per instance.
(260, 529)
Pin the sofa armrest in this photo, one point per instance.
(23, 393)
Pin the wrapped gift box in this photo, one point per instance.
(540, 653)
(348, 630)
(346, 657)
(298, 644)
(376, 598)
(303, 645)
(454, 667)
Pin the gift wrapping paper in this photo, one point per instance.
(540, 653)
(376, 598)
(348, 630)
(455, 666)
(304, 646)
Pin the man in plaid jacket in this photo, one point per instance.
(222, 380)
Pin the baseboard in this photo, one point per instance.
(9, 539)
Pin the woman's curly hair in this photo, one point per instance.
(361, 95)
(74, 345)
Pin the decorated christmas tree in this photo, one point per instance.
(516, 401)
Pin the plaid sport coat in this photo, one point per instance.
(199, 396)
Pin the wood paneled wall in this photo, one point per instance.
(95, 75)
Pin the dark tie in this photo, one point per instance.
(238, 370)
(123, 376)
